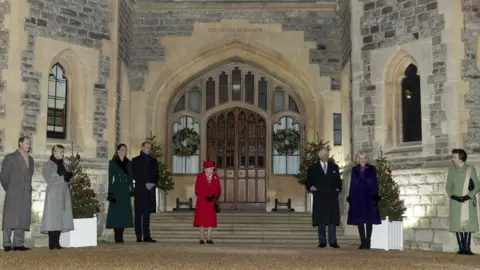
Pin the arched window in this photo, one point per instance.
(236, 84)
(57, 103)
(210, 93)
(250, 88)
(190, 164)
(223, 88)
(286, 164)
(411, 106)
(278, 100)
(195, 99)
(237, 137)
(262, 93)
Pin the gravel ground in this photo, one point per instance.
(158, 256)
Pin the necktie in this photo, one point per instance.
(324, 165)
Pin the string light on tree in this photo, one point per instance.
(390, 205)
(84, 202)
(165, 182)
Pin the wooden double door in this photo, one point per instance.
(236, 141)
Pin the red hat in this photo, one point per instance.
(208, 164)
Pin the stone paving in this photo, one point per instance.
(158, 256)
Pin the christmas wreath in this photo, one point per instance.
(286, 141)
(186, 142)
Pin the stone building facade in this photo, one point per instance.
(337, 70)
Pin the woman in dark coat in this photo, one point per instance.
(120, 189)
(207, 190)
(57, 210)
(363, 199)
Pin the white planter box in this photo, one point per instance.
(388, 235)
(84, 234)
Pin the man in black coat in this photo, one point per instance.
(323, 180)
(145, 173)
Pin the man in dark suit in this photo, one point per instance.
(145, 173)
(323, 180)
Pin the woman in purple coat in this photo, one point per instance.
(363, 199)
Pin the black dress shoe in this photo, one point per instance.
(6, 249)
(322, 245)
(149, 240)
(334, 245)
(22, 248)
(210, 242)
(139, 240)
(201, 242)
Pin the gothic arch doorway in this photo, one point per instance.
(236, 141)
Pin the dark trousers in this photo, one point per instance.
(142, 225)
(332, 234)
(118, 235)
(54, 239)
(365, 234)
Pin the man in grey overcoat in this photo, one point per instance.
(16, 179)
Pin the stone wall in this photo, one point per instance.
(4, 36)
(389, 23)
(423, 191)
(126, 12)
(324, 27)
(84, 23)
(471, 72)
(97, 171)
(344, 14)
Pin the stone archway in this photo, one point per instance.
(276, 64)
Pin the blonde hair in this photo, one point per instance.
(361, 154)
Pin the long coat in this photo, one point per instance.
(326, 207)
(145, 170)
(205, 215)
(16, 180)
(363, 186)
(120, 184)
(455, 181)
(57, 210)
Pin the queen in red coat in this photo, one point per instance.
(207, 190)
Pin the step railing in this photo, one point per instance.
(283, 206)
(184, 206)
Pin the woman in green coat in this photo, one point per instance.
(120, 189)
(462, 188)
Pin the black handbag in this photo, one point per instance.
(217, 207)
(471, 185)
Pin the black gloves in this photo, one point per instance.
(61, 172)
(348, 199)
(110, 198)
(67, 176)
(460, 199)
(376, 197)
(210, 198)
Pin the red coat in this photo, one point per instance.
(205, 215)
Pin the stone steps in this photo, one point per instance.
(240, 228)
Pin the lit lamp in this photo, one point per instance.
(408, 94)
